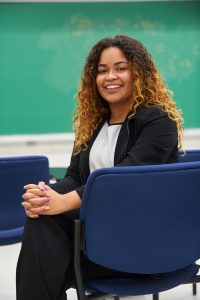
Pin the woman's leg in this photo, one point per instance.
(45, 257)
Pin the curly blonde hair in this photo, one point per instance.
(148, 86)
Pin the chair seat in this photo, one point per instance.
(11, 236)
(142, 285)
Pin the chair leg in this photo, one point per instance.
(155, 296)
(194, 288)
(77, 267)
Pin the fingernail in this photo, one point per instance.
(42, 187)
(46, 200)
(46, 207)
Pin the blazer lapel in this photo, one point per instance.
(122, 142)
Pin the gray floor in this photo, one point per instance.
(8, 260)
(58, 151)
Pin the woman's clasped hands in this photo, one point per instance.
(41, 200)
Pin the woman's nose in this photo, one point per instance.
(111, 74)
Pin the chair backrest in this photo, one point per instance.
(143, 219)
(15, 172)
(189, 156)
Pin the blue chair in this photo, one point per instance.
(189, 156)
(15, 172)
(144, 220)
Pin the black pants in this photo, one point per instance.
(44, 269)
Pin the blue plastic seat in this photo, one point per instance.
(142, 220)
(15, 172)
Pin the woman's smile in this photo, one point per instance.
(113, 87)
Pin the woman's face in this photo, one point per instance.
(114, 78)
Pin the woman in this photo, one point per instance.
(125, 116)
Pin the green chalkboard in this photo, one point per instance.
(43, 47)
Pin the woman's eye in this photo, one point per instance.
(120, 69)
(101, 71)
(114, 71)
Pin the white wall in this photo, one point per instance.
(58, 147)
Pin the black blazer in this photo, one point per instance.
(148, 137)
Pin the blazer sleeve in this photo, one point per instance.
(71, 180)
(156, 140)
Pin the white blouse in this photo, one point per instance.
(103, 148)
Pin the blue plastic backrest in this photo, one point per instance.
(143, 219)
(15, 172)
(189, 156)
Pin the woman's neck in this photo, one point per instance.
(117, 116)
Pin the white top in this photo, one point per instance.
(103, 148)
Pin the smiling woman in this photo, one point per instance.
(125, 116)
(124, 61)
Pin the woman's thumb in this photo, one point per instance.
(41, 185)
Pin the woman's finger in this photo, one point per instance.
(30, 186)
(39, 210)
(30, 215)
(36, 191)
(29, 195)
(38, 201)
(41, 185)
(26, 205)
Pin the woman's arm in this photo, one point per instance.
(56, 198)
(72, 180)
